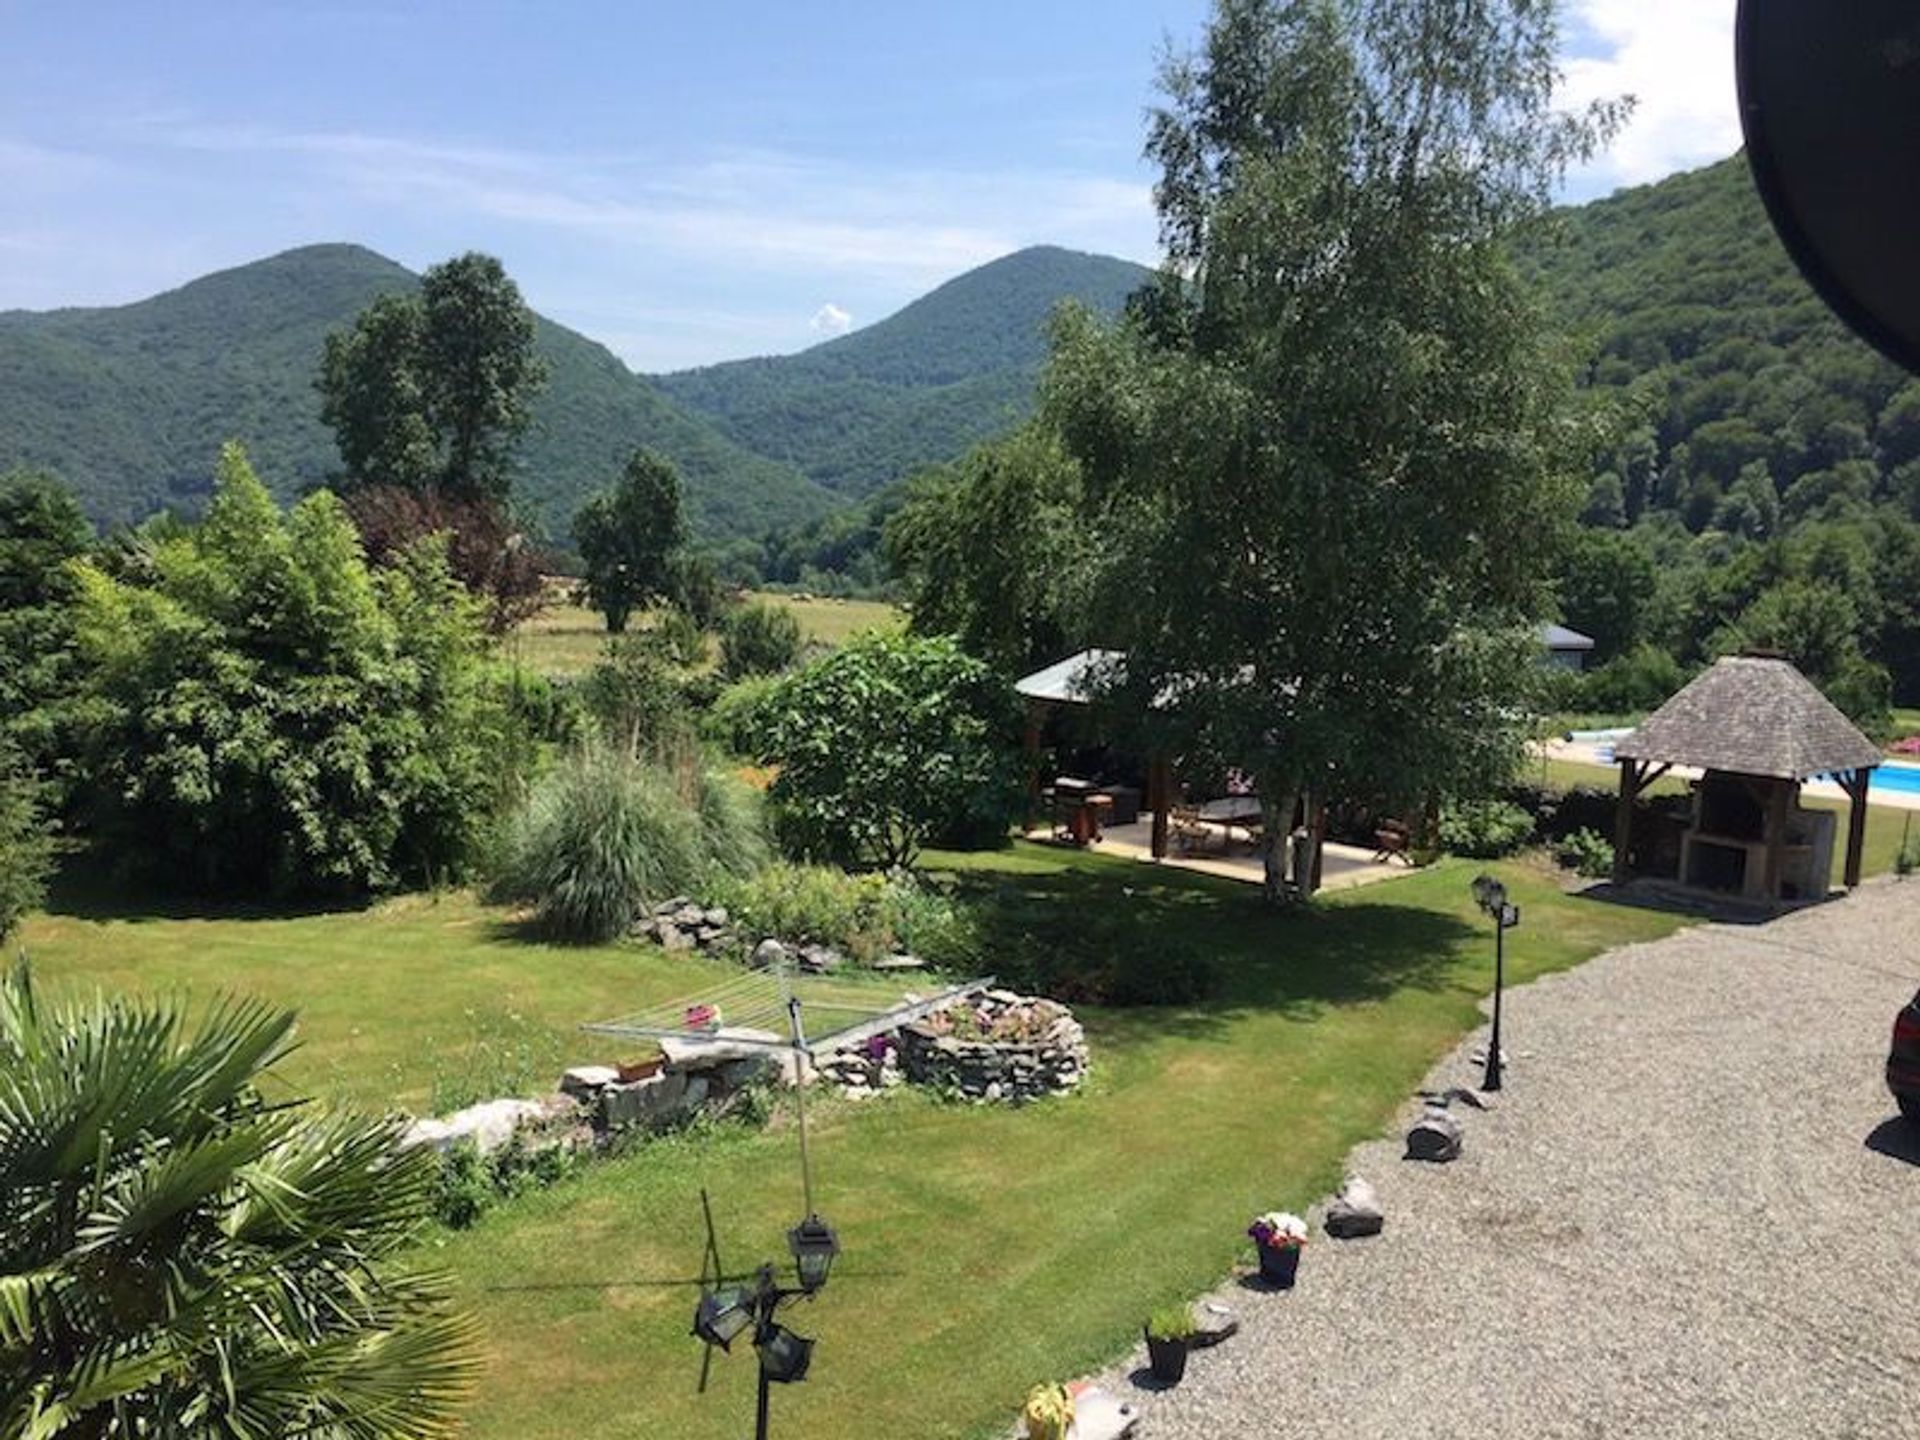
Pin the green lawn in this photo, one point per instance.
(984, 1249)
(1886, 824)
(568, 640)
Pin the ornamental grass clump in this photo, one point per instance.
(1171, 1323)
(1048, 1412)
(606, 834)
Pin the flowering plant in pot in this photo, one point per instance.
(1048, 1412)
(1169, 1337)
(1277, 1238)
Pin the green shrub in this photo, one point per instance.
(884, 743)
(1586, 852)
(635, 697)
(737, 719)
(813, 903)
(601, 836)
(682, 637)
(463, 1191)
(928, 922)
(1644, 678)
(759, 639)
(1484, 829)
(26, 847)
(733, 834)
(470, 1184)
(866, 917)
(264, 712)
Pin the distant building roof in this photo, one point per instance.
(1068, 681)
(1559, 637)
(1752, 716)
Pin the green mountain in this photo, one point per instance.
(129, 404)
(1733, 367)
(952, 368)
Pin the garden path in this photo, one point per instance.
(1690, 1213)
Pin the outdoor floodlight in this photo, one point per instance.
(814, 1245)
(784, 1356)
(723, 1314)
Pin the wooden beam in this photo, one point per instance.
(1856, 785)
(1630, 780)
(1160, 796)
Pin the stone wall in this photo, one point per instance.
(997, 1046)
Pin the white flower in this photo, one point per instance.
(1282, 1225)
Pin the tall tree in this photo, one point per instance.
(479, 371)
(1331, 452)
(42, 532)
(426, 395)
(628, 538)
(989, 549)
(373, 397)
(182, 1255)
(431, 390)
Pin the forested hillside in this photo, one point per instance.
(129, 404)
(1697, 314)
(952, 368)
(1766, 481)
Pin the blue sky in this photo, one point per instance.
(686, 183)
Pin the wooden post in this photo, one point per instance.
(1319, 825)
(1630, 773)
(1160, 796)
(1776, 838)
(1856, 785)
(1036, 713)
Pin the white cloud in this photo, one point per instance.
(830, 319)
(1675, 57)
(757, 208)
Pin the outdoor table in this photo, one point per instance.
(1229, 811)
(1240, 810)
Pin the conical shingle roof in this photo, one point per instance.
(1752, 717)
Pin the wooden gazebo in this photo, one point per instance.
(1757, 728)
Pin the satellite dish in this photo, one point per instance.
(1830, 103)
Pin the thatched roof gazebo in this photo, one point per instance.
(1757, 727)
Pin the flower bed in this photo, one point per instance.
(996, 1046)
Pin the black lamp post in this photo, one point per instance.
(1491, 896)
(727, 1311)
(730, 1311)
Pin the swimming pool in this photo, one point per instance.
(1898, 776)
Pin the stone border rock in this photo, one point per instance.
(954, 1049)
(684, 924)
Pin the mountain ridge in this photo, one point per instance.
(129, 403)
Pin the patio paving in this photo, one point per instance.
(1344, 867)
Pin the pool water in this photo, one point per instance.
(1903, 779)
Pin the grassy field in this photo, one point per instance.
(983, 1249)
(568, 640)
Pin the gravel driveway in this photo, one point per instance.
(1680, 1219)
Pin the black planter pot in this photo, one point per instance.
(1167, 1359)
(1279, 1266)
